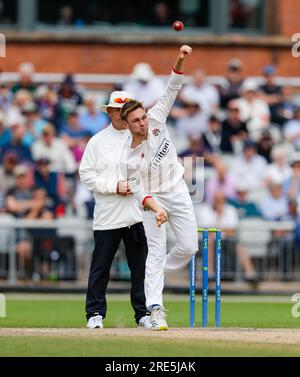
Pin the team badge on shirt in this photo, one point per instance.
(142, 156)
(156, 132)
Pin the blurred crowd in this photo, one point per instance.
(43, 133)
(247, 131)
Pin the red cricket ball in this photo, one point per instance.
(178, 25)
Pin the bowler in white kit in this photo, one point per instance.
(151, 159)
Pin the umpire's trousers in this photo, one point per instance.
(106, 245)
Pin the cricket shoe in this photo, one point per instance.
(95, 322)
(145, 322)
(157, 319)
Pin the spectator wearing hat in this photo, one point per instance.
(144, 86)
(202, 92)
(232, 82)
(92, 120)
(253, 109)
(17, 144)
(249, 167)
(271, 91)
(58, 152)
(26, 72)
(235, 131)
(52, 183)
(291, 130)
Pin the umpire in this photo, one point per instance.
(117, 216)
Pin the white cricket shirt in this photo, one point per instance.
(155, 159)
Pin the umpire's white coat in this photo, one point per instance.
(100, 171)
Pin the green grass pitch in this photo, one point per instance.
(68, 312)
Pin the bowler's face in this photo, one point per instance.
(137, 122)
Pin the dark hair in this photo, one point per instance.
(129, 107)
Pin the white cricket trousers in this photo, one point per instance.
(183, 223)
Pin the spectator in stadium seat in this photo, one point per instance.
(202, 92)
(233, 80)
(34, 123)
(5, 134)
(286, 107)
(93, 120)
(144, 86)
(253, 110)
(74, 136)
(271, 91)
(222, 181)
(66, 15)
(213, 137)
(279, 169)
(47, 102)
(53, 183)
(249, 167)
(7, 176)
(21, 98)
(224, 216)
(69, 97)
(6, 97)
(293, 215)
(274, 207)
(189, 119)
(265, 144)
(244, 207)
(50, 146)
(161, 15)
(291, 130)
(26, 203)
(235, 131)
(17, 145)
(196, 148)
(292, 184)
(26, 72)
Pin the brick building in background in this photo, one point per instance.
(114, 48)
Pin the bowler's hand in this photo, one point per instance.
(185, 51)
(161, 217)
(123, 188)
